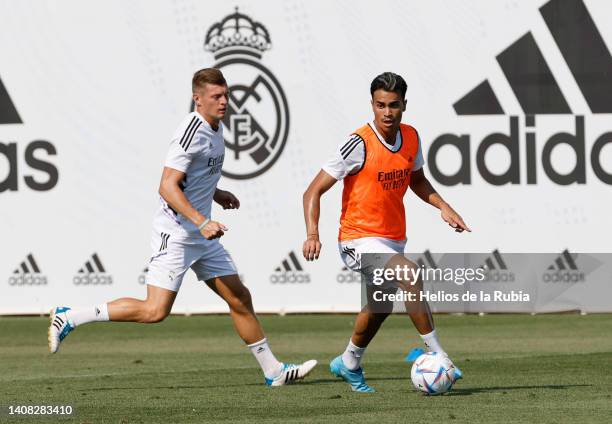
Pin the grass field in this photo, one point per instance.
(518, 369)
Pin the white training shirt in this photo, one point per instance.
(350, 155)
(198, 151)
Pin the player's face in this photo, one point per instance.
(211, 101)
(388, 107)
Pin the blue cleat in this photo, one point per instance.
(414, 354)
(353, 377)
(59, 327)
(458, 373)
(291, 373)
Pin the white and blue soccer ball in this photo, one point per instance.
(433, 373)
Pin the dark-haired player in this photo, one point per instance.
(378, 163)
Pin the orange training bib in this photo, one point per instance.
(373, 198)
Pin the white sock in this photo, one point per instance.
(431, 342)
(78, 316)
(270, 366)
(352, 356)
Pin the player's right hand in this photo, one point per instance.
(213, 230)
(311, 248)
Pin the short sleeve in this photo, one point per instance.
(347, 159)
(184, 145)
(418, 160)
(177, 158)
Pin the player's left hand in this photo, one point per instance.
(453, 219)
(226, 199)
(312, 247)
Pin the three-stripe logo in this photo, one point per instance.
(496, 269)
(27, 273)
(190, 132)
(489, 262)
(290, 271)
(564, 261)
(350, 145)
(530, 77)
(8, 112)
(164, 241)
(427, 260)
(564, 269)
(537, 92)
(92, 273)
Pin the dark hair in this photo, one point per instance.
(389, 81)
(207, 76)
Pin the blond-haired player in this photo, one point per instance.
(185, 236)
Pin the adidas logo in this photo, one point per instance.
(537, 92)
(92, 273)
(8, 112)
(143, 275)
(564, 270)
(289, 271)
(32, 157)
(426, 261)
(496, 270)
(489, 262)
(526, 70)
(564, 261)
(348, 276)
(27, 273)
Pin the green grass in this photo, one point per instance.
(518, 369)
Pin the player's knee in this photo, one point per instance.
(241, 300)
(378, 317)
(154, 313)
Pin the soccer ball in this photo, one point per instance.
(433, 373)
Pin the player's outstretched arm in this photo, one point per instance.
(312, 207)
(170, 190)
(421, 186)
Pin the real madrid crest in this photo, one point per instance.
(257, 119)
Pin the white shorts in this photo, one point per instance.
(351, 250)
(174, 254)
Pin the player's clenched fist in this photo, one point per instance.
(213, 230)
(311, 248)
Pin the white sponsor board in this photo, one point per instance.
(92, 91)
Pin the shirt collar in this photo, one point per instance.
(398, 137)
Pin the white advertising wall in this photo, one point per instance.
(512, 100)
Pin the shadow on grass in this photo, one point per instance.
(477, 390)
(332, 380)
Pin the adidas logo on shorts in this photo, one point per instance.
(290, 271)
(27, 274)
(92, 273)
(143, 275)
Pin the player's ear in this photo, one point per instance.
(404, 108)
(196, 99)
